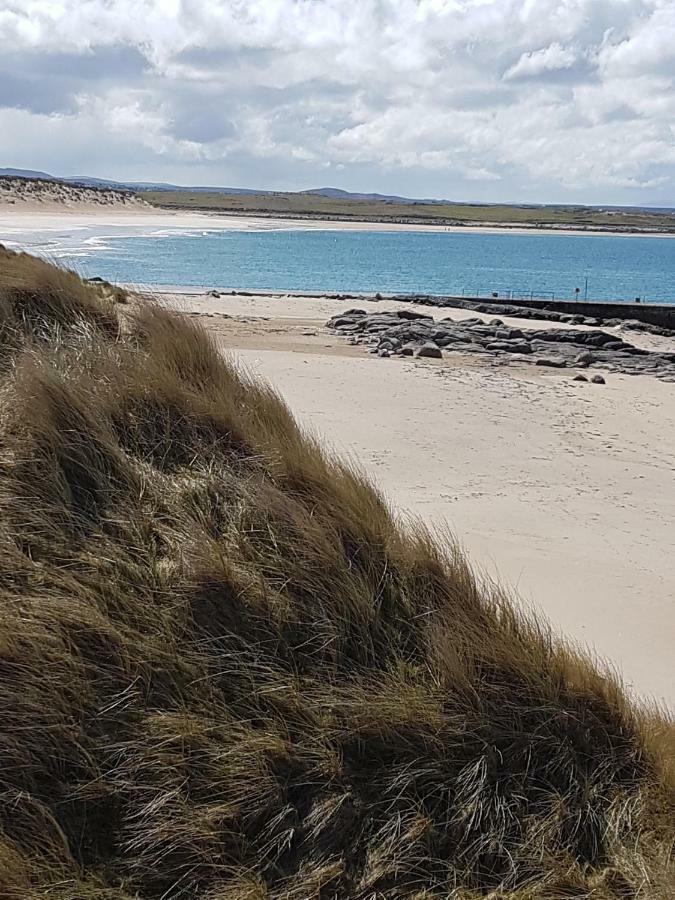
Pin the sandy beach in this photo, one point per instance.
(564, 491)
(37, 217)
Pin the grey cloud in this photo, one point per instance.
(50, 82)
(199, 119)
(116, 63)
(36, 95)
(210, 59)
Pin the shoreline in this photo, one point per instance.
(43, 217)
(370, 296)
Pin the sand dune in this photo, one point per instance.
(34, 196)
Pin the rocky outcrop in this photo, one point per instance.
(406, 333)
(514, 311)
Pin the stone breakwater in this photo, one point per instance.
(408, 333)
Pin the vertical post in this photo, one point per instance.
(586, 289)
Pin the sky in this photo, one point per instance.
(498, 100)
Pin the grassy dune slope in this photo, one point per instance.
(22, 192)
(226, 672)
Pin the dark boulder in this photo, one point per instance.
(430, 351)
(585, 358)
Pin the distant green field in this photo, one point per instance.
(316, 206)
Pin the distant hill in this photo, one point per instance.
(26, 173)
(89, 181)
(338, 194)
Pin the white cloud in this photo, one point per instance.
(549, 59)
(539, 99)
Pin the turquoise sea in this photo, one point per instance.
(603, 267)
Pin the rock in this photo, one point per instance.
(598, 379)
(465, 323)
(213, 294)
(408, 350)
(509, 334)
(580, 377)
(519, 347)
(495, 322)
(380, 319)
(510, 346)
(430, 351)
(584, 359)
(410, 314)
(383, 353)
(353, 312)
(483, 331)
(634, 325)
(572, 336)
(636, 351)
(552, 362)
(342, 322)
(444, 336)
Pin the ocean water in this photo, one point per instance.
(605, 267)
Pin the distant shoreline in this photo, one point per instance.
(413, 223)
(36, 217)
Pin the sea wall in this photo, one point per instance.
(653, 313)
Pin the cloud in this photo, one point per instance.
(494, 99)
(538, 62)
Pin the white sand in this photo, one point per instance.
(564, 490)
(31, 217)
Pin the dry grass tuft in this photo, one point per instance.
(227, 672)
